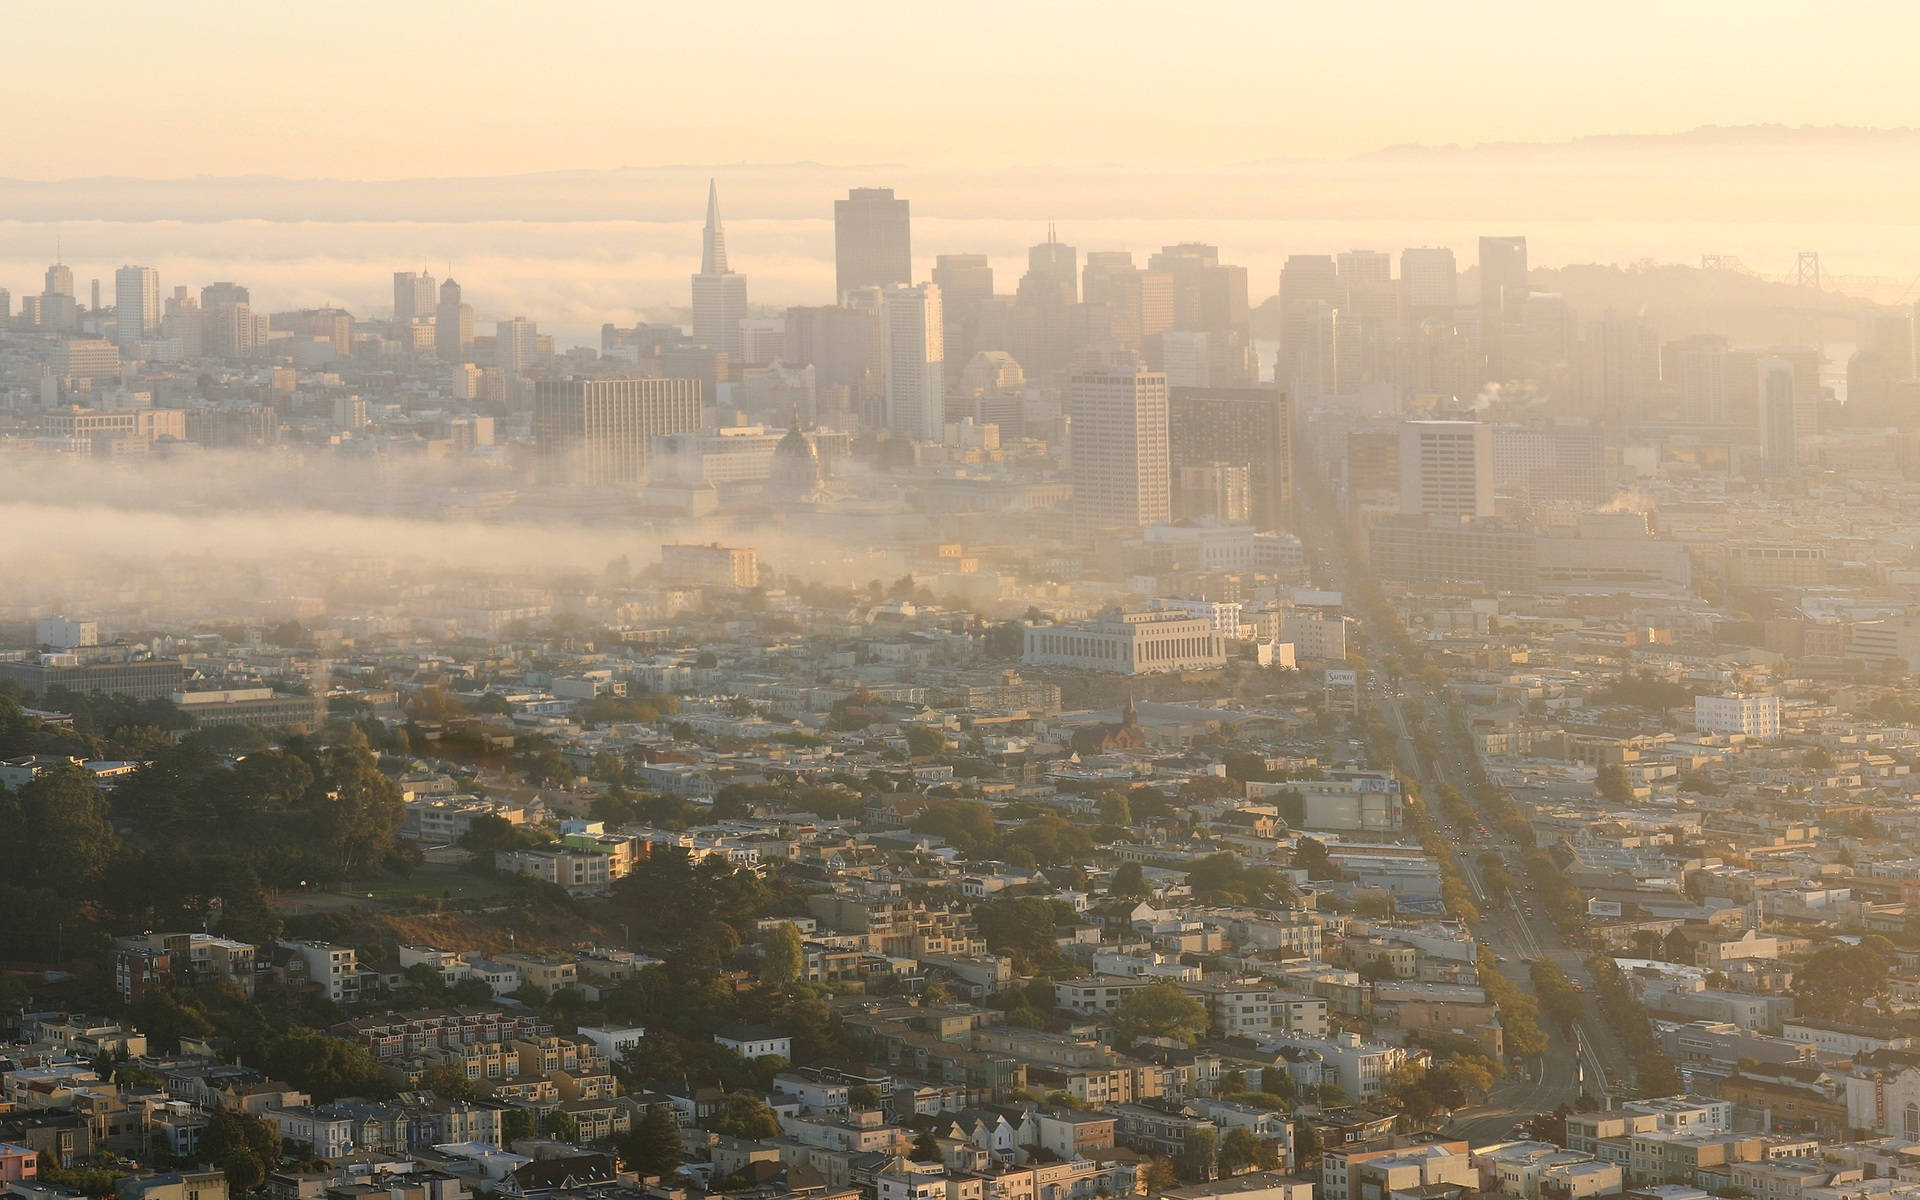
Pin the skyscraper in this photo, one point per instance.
(136, 306)
(516, 344)
(913, 354)
(1778, 425)
(599, 432)
(719, 295)
(872, 241)
(966, 288)
(1695, 368)
(1429, 282)
(1247, 428)
(1503, 298)
(1118, 439)
(1446, 468)
(412, 297)
(1043, 306)
(452, 325)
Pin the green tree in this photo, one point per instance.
(926, 1147)
(1160, 1009)
(243, 1146)
(59, 831)
(1116, 809)
(360, 813)
(1158, 1175)
(1195, 1163)
(1838, 979)
(1310, 855)
(925, 742)
(1129, 882)
(1241, 1151)
(746, 1116)
(782, 955)
(561, 1125)
(516, 1124)
(654, 1147)
(1614, 785)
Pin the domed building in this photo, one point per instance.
(795, 474)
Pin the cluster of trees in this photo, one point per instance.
(1451, 1082)
(244, 1147)
(103, 726)
(1022, 927)
(1454, 892)
(1045, 839)
(1519, 1012)
(1223, 879)
(1839, 978)
(1641, 689)
(1555, 992)
(1160, 1010)
(1654, 1071)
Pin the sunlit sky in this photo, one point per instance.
(397, 88)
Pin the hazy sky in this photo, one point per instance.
(386, 88)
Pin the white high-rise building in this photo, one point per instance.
(516, 344)
(719, 295)
(1749, 715)
(413, 297)
(136, 306)
(913, 351)
(1119, 443)
(1446, 468)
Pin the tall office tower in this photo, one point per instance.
(1890, 335)
(6, 306)
(598, 432)
(1309, 292)
(1309, 279)
(516, 345)
(1365, 268)
(1043, 306)
(966, 289)
(1250, 428)
(1550, 337)
(1097, 277)
(1428, 282)
(1207, 294)
(1503, 298)
(1118, 440)
(226, 320)
(182, 321)
(412, 298)
(719, 294)
(1309, 353)
(1870, 389)
(58, 307)
(1446, 468)
(1779, 432)
(224, 293)
(93, 305)
(1619, 368)
(913, 346)
(842, 344)
(136, 306)
(452, 325)
(872, 241)
(1695, 370)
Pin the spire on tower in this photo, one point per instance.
(713, 241)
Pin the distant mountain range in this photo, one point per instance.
(1735, 137)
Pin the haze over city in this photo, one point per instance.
(1015, 602)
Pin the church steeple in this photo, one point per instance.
(713, 241)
